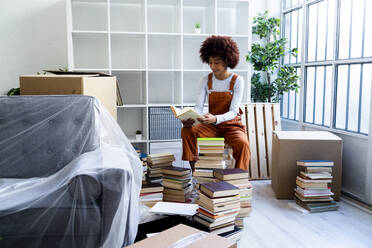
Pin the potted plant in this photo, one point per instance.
(265, 58)
(138, 135)
(197, 28)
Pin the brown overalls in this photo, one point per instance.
(233, 131)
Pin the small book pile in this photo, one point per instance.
(219, 204)
(177, 184)
(154, 164)
(312, 185)
(211, 157)
(151, 194)
(238, 178)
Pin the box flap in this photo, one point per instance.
(84, 73)
(305, 135)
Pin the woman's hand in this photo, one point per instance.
(188, 122)
(208, 119)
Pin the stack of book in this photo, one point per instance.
(177, 184)
(238, 178)
(151, 194)
(143, 158)
(312, 185)
(154, 164)
(219, 204)
(211, 156)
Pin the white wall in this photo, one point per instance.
(33, 38)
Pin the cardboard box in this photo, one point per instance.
(182, 234)
(290, 146)
(101, 87)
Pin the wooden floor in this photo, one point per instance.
(281, 223)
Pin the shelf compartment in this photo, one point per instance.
(127, 15)
(172, 147)
(244, 75)
(191, 84)
(164, 88)
(89, 15)
(243, 50)
(131, 120)
(163, 125)
(201, 12)
(230, 17)
(132, 86)
(90, 50)
(164, 52)
(164, 16)
(191, 57)
(128, 51)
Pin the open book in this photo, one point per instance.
(186, 113)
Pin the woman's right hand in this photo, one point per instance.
(188, 122)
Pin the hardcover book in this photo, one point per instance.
(219, 189)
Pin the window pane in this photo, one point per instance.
(322, 20)
(287, 28)
(294, 31)
(310, 94)
(357, 28)
(291, 104)
(313, 12)
(299, 46)
(285, 105)
(354, 98)
(367, 31)
(331, 27)
(319, 95)
(342, 79)
(366, 96)
(344, 29)
(328, 96)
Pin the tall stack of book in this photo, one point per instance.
(312, 185)
(211, 156)
(177, 184)
(219, 204)
(151, 194)
(154, 164)
(238, 178)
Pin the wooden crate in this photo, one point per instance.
(261, 120)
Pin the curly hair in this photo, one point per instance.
(220, 46)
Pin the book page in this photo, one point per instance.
(171, 208)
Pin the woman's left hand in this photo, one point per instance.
(209, 119)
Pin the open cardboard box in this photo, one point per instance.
(185, 237)
(99, 85)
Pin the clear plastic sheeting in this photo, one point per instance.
(68, 175)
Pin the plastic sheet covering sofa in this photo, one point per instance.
(68, 175)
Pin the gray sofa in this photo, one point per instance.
(39, 136)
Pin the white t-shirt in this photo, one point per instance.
(221, 86)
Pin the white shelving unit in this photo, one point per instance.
(151, 47)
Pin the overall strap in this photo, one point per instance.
(232, 82)
(210, 81)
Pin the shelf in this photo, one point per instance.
(139, 34)
(132, 86)
(128, 70)
(164, 16)
(90, 51)
(132, 106)
(164, 87)
(127, 15)
(128, 51)
(196, 35)
(232, 17)
(89, 32)
(191, 58)
(159, 34)
(201, 12)
(133, 119)
(89, 15)
(163, 70)
(167, 140)
(164, 53)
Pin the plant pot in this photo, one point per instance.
(138, 136)
(197, 30)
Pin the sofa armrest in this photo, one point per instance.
(85, 189)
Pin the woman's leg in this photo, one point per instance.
(236, 137)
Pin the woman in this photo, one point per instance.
(224, 91)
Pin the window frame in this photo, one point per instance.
(334, 62)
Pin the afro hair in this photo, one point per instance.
(220, 46)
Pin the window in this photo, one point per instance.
(335, 65)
